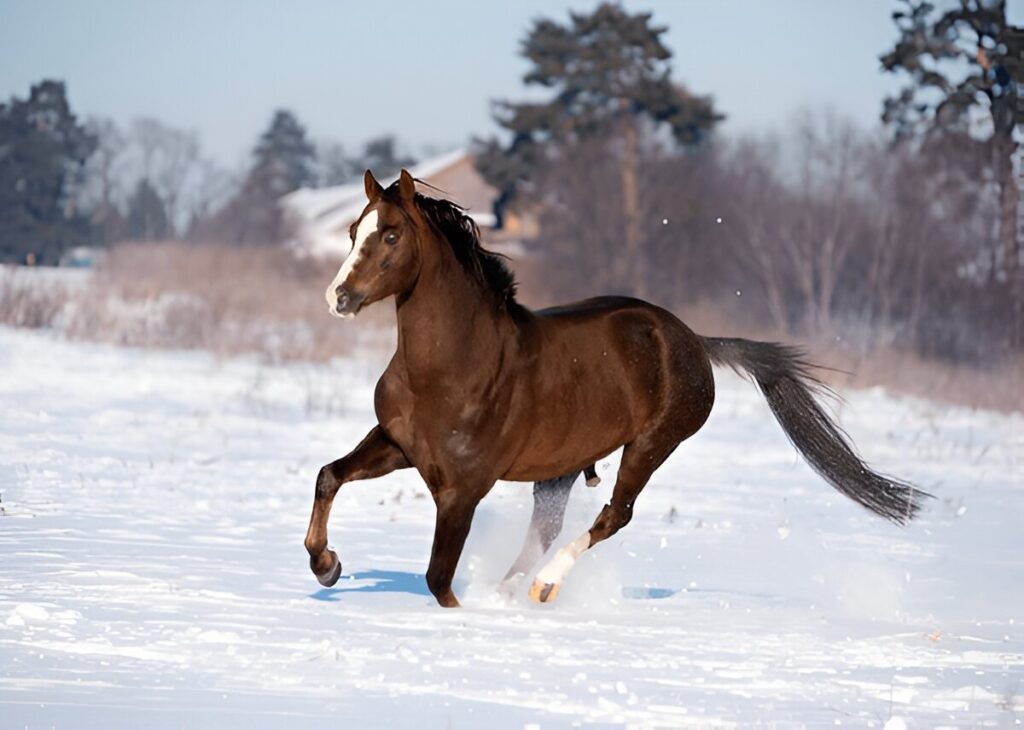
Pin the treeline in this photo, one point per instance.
(904, 236)
(67, 183)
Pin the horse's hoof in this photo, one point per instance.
(508, 588)
(449, 601)
(543, 592)
(593, 481)
(329, 578)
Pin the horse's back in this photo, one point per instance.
(639, 327)
(586, 308)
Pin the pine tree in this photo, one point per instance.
(381, 156)
(610, 77)
(283, 161)
(333, 165)
(147, 214)
(963, 62)
(42, 151)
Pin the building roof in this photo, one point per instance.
(321, 217)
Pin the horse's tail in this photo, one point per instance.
(784, 377)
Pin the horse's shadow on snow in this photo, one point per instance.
(415, 584)
(384, 581)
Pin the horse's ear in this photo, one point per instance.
(406, 186)
(373, 188)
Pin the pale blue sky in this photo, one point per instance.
(423, 70)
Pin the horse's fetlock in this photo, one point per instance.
(437, 583)
(314, 547)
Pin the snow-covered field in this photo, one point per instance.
(152, 572)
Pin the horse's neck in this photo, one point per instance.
(446, 323)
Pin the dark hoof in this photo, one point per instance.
(329, 578)
(448, 600)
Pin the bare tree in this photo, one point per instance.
(146, 136)
(211, 187)
(170, 159)
(104, 176)
(828, 231)
(819, 234)
(179, 163)
(577, 197)
(333, 166)
(753, 220)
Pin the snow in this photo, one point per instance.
(152, 572)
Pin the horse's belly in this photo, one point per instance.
(572, 433)
(541, 469)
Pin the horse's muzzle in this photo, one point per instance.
(347, 302)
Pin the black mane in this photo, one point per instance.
(485, 267)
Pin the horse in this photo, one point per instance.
(480, 388)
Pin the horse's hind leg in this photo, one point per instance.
(639, 460)
(549, 500)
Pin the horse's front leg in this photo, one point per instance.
(375, 456)
(455, 510)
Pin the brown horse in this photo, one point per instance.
(481, 389)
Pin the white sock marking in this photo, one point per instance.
(556, 571)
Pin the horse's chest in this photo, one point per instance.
(445, 431)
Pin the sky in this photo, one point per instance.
(425, 71)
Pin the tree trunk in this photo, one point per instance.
(1004, 148)
(631, 208)
(770, 277)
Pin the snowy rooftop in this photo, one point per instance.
(323, 215)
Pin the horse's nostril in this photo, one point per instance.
(342, 300)
(337, 290)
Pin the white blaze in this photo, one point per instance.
(367, 226)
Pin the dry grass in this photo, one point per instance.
(226, 300)
(263, 301)
(998, 386)
(26, 300)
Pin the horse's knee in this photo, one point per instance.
(327, 483)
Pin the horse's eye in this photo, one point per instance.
(391, 238)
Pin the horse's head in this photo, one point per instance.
(385, 255)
